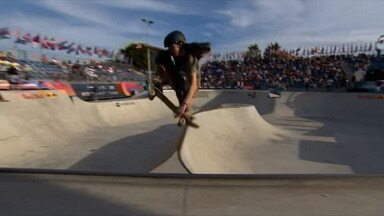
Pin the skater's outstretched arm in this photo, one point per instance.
(192, 90)
(193, 71)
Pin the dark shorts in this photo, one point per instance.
(179, 82)
(181, 86)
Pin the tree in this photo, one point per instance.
(136, 54)
(138, 57)
(271, 49)
(275, 47)
(253, 52)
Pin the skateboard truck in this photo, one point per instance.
(151, 93)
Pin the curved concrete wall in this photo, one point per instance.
(57, 132)
(303, 133)
(324, 132)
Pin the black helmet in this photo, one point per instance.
(174, 37)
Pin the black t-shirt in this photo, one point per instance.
(185, 66)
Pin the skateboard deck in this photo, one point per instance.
(184, 118)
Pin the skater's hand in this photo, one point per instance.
(182, 109)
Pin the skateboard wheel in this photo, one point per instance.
(182, 121)
(152, 93)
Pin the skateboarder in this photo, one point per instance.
(179, 69)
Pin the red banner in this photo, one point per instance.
(61, 86)
(127, 88)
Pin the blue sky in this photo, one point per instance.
(230, 25)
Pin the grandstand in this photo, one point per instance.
(60, 59)
(317, 68)
(53, 70)
(89, 81)
(39, 70)
(332, 72)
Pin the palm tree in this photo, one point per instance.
(253, 52)
(275, 47)
(138, 57)
(271, 48)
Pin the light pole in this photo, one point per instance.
(148, 23)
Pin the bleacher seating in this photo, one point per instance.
(43, 71)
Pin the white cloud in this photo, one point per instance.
(148, 5)
(85, 11)
(94, 15)
(61, 30)
(233, 25)
(299, 23)
(78, 9)
(208, 34)
(244, 14)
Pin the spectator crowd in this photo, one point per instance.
(21, 71)
(282, 72)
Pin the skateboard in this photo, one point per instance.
(184, 119)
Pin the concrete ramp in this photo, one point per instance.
(46, 129)
(299, 133)
(239, 141)
(296, 133)
(228, 140)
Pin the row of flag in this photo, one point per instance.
(53, 44)
(324, 50)
(333, 50)
(229, 56)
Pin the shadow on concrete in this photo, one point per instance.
(363, 153)
(358, 138)
(134, 154)
(322, 152)
(259, 99)
(26, 195)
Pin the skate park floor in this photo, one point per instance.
(322, 143)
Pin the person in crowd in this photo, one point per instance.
(13, 75)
